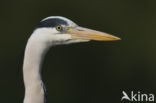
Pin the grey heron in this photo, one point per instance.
(51, 31)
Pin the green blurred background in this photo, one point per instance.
(94, 72)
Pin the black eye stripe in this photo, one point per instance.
(52, 22)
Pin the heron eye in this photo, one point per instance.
(59, 28)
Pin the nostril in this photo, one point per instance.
(80, 30)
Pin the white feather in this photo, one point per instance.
(38, 44)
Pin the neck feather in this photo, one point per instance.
(34, 55)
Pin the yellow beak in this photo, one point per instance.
(88, 34)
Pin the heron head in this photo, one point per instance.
(61, 30)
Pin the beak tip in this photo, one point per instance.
(117, 38)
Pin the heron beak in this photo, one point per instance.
(88, 34)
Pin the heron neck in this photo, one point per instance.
(34, 55)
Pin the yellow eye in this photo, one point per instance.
(59, 28)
